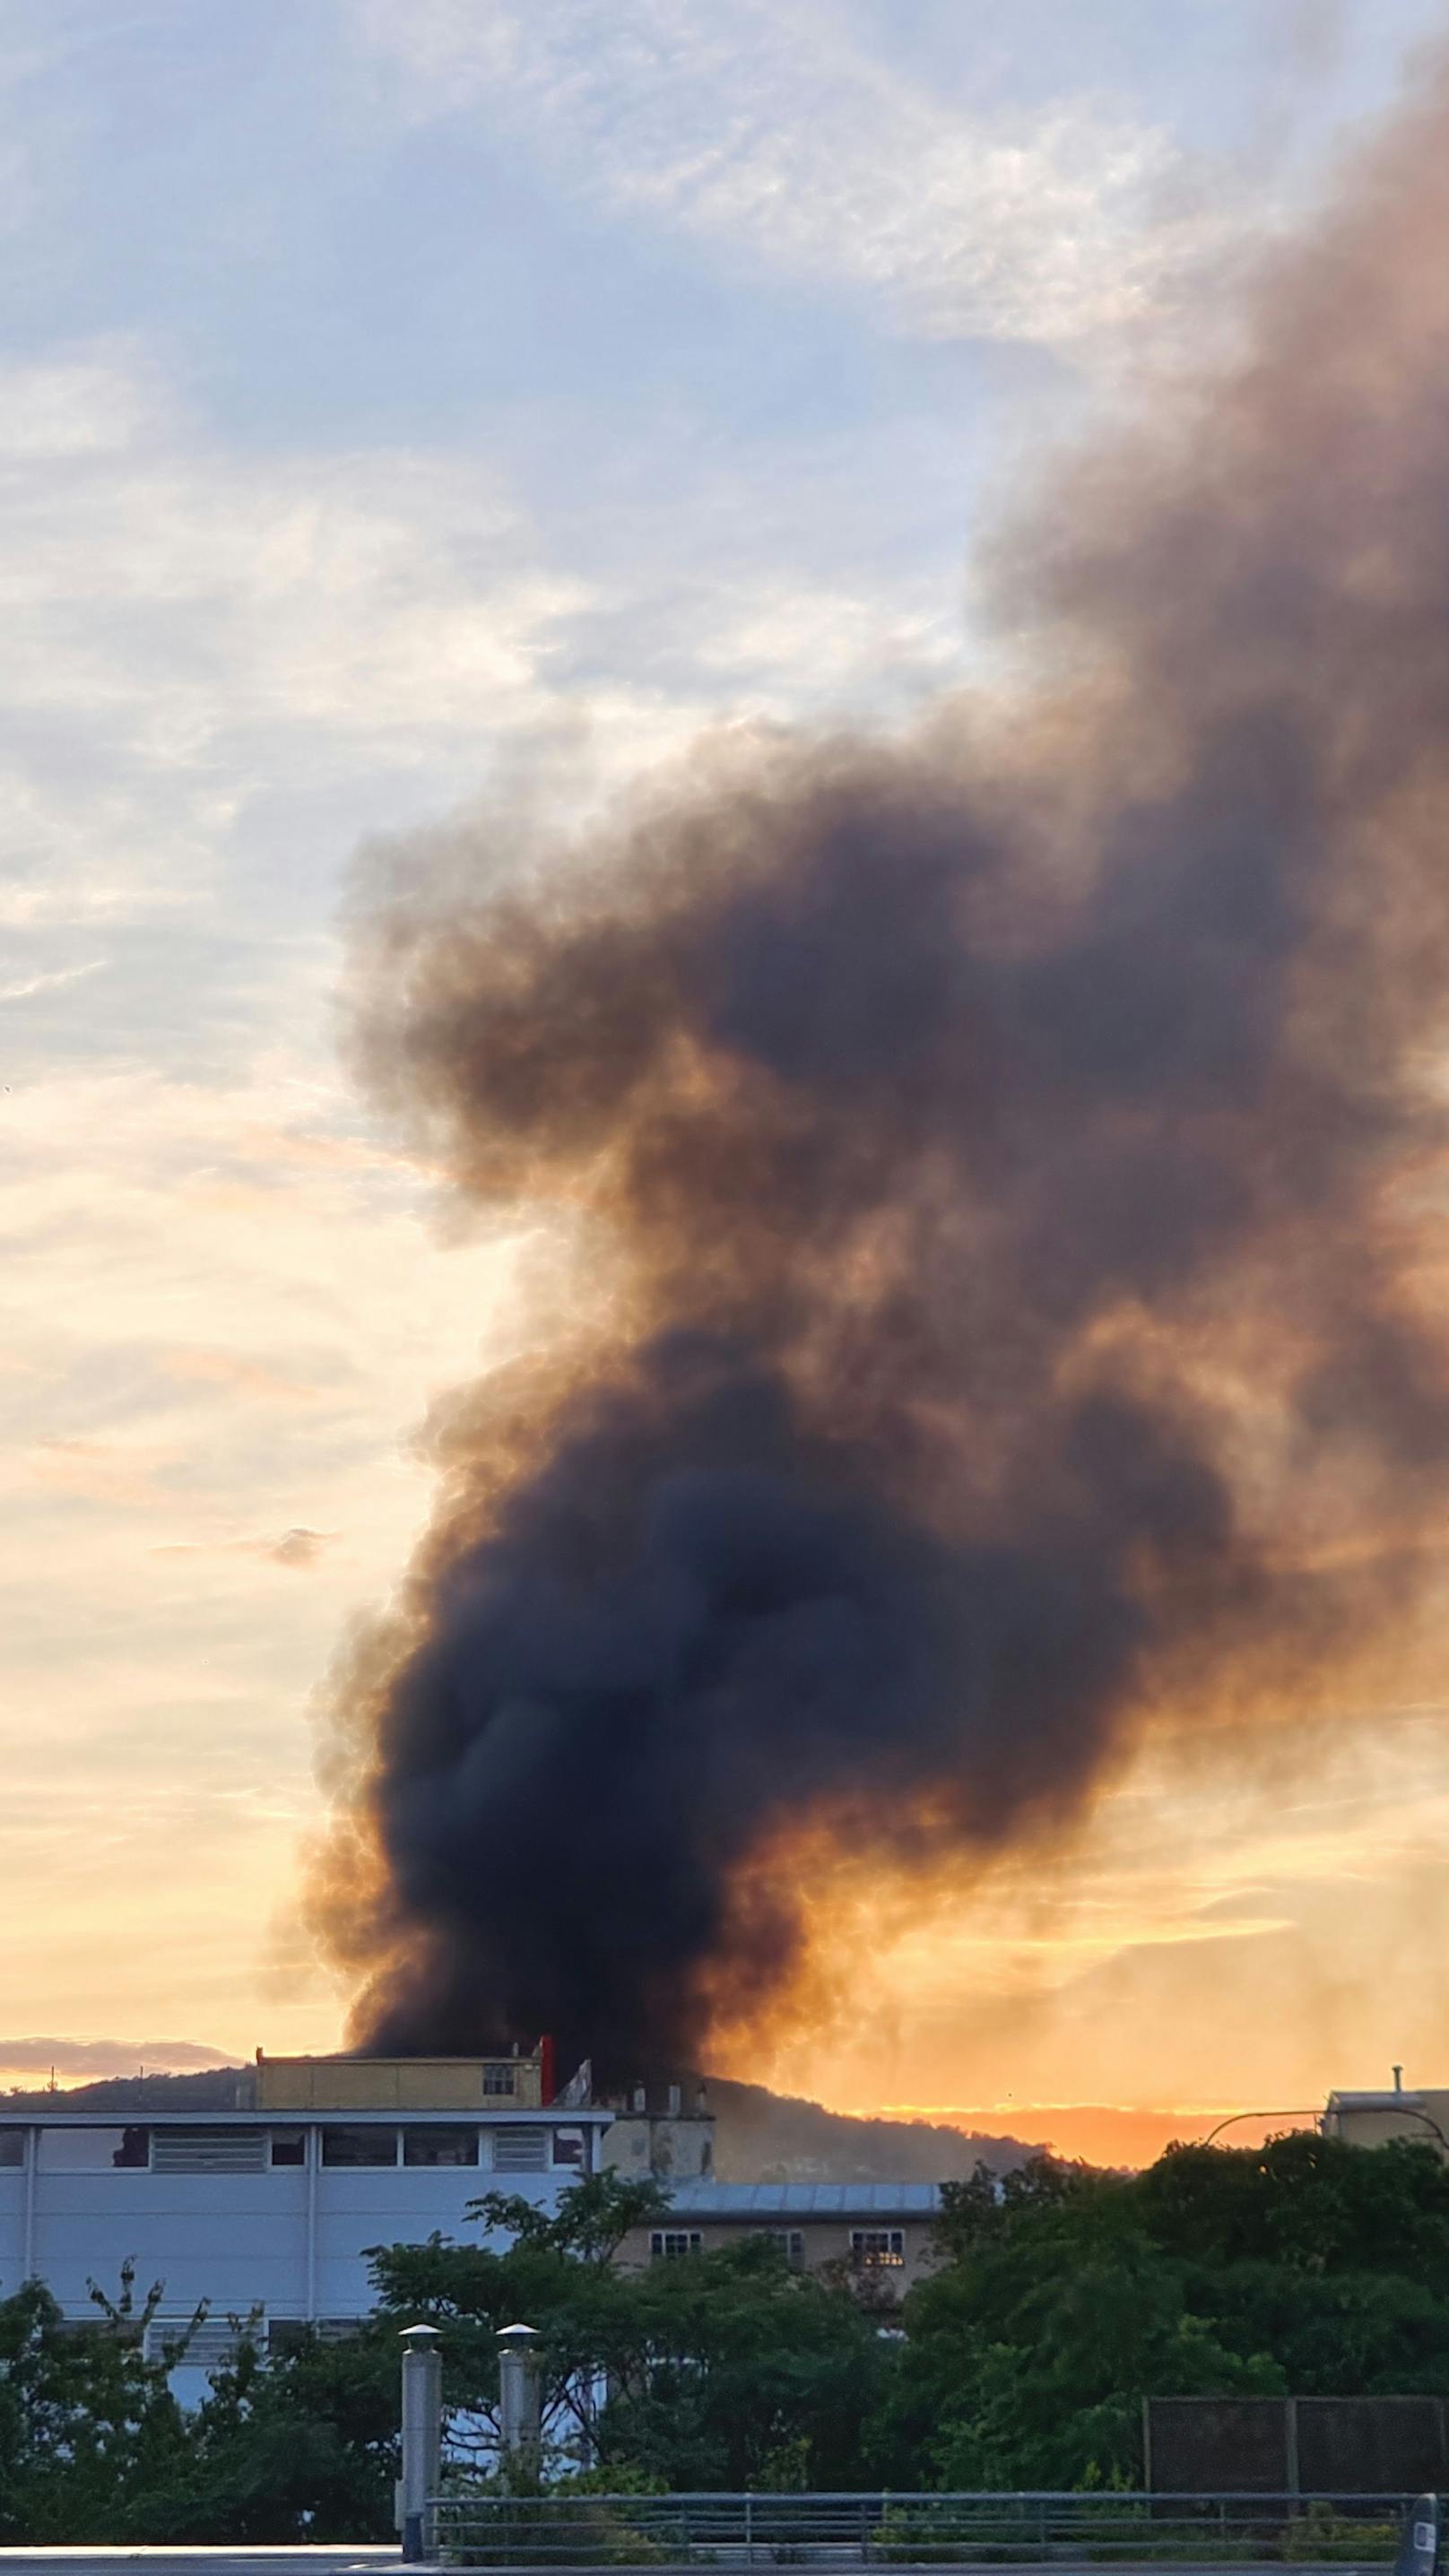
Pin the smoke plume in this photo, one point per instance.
(1002, 1175)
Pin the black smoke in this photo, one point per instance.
(1003, 1174)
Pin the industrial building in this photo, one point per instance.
(269, 2207)
(264, 2210)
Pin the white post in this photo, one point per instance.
(518, 2399)
(422, 2436)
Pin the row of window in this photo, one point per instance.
(875, 2248)
(513, 2149)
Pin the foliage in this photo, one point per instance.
(1058, 2299)
(89, 2429)
(1064, 2296)
(95, 2447)
(725, 2369)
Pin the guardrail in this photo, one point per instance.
(490, 2530)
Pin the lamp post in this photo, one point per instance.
(422, 2436)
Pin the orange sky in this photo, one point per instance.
(227, 1303)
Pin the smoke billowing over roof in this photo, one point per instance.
(1001, 1168)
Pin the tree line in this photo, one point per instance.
(1058, 2299)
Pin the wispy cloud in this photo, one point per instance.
(295, 1547)
(26, 985)
(766, 127)
(100, 2057)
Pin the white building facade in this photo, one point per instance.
(257, 2213)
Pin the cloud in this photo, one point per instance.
(219, 666)
(765, 127)
(100, 2057)
(295, 1547)
(190, 633)
(27, 985)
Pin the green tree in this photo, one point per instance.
(89, 2428)
(1062, 2297)
(720, 2369)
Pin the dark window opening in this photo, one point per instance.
(359, 2146)
(289, 2146)
(440, 2146)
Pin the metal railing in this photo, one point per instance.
(490, 2530)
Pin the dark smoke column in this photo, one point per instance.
(999, 1168)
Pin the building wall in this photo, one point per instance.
(666, 2147)
(1371, 2119)
(397, 2083)
(825, 2242)
(289, 2238)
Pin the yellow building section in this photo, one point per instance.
(399, 2083)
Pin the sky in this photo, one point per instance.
(411, 405)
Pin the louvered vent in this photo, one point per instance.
(208, 2150)
(212, 2346)
(519, 2150)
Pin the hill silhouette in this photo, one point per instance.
(761, 2136)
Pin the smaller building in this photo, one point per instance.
(510, 2081)
(879, 2232)
(659, 2137)
(1371, 2119)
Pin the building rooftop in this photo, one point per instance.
(772, 2200)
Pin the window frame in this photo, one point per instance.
(675, 2244)
(878, 2249)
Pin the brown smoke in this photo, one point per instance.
(1003, 1174)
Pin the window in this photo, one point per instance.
(293, 2334)
(569, 2148)
(500, 2081)
(81, 2150)
(208, 2150)
(359, 2146)
(673, 2244)
(520, 2150)
(289, 2146)
(440, 2146)
(791, 2242)
(12, 2148)
(212, 2345)
(879, 2248)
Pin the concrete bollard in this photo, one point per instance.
(422, 2436)
(518, 2398)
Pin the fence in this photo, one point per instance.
(894, 2530)
(1308, 2445)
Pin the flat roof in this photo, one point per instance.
(25, 2116)
(773, 2200)
(1377, 2101)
